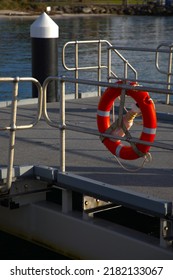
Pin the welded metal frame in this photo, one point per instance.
(13, 125)
(31, 184)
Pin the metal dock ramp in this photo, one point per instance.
(64, 190)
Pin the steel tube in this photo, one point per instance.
(12, 135)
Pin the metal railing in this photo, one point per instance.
(13, 127)
(62, 126)
(162, 48)
(168, 73)
(99, 66)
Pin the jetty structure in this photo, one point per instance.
(63, 189)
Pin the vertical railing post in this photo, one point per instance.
(76, 69)
(99, 66)
(12, 134)
(109, 65)
(62, 127)
(109, 69)
(123, 93)
(169, 75)
(66, 194)
(125, 69)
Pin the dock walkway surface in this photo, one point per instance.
(85, 154)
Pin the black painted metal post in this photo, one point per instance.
(44, 33)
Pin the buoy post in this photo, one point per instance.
(44, 33)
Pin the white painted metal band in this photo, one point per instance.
(118, 149)
(149, 130)
(103, 113)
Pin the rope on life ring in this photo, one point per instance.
(148, 133)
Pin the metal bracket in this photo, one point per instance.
(166, 233)
(93, 205)
(24, 192)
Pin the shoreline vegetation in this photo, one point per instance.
(148, 9)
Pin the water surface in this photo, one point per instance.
(140, 31)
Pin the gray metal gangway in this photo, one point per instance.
(97, 195)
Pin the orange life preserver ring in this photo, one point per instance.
(147, 108)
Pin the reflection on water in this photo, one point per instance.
(148, 31)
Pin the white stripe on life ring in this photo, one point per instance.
(118, 149)
(149, 130)
(103, 113)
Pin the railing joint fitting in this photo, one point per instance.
(16, 79)
(13, 127)
(62, 127)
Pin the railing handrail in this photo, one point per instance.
(99, 66)
(13, 126)
(162, 48)
(39, 111)
(42, 107)
(61, 124)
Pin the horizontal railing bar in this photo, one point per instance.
(139, 49)
(133, 139)
(87, 42)
(93, 131)
(116, 85)
(39, 104)
(7, 79)
(20, 127)
(86, 68)
(142, 81)
(18, 79)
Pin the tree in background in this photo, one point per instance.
(124, 2)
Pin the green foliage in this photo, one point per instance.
(40, 4)
(22, 5)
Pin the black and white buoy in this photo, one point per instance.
(44, 33)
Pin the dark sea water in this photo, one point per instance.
(139, 31)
